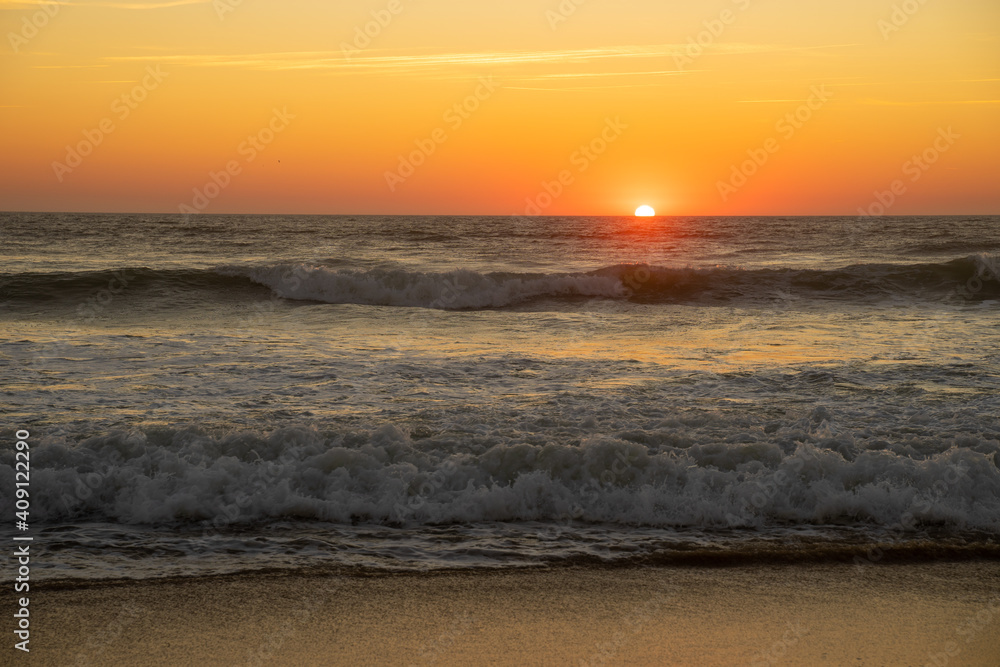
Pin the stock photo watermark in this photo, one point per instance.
(425, 489)
(433, 651)
(914, 168)
(455, 117)
(21, 559)
(714, 29)
(364, 35)
(99, 643)
(986, 271)
(777, 652)
(787, 127)
(920, 508)
(249, 150)
(122, 108)
(582, 158)
(93, 306)
(223, 7)
(900, 16)
(630, 627)
(970, 630)
(563, 12)
(290, 286)
(620, 470)
(264, 477)
(97, 302)
(31, 25)
(265, 652)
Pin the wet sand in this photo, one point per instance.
(940, 614)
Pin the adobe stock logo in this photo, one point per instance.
(254, 145)
(455, 117)
(122, 107)
(714, 28)
(223, 7)
(363, 35)
(900, 16)
(582, 159)
(566, 9)
(31, 26)
(788, 126)
(918, 165)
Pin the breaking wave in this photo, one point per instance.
(976, 277)
(794, 475)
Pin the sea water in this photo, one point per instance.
(228, 393)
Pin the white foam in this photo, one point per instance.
(382, 476)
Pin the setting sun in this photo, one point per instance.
(644, 212)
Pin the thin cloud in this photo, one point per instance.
(572, 89)
(159, 4)
(69, 66)
(920, 103)
(584, 75)
(337, 61)
(880, 83)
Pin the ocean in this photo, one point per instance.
(221, 394)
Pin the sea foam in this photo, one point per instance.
(655, 478)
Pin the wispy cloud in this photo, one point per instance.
(69, 66)
(584, 88)
(336, 62)
(155, 4)
(587, 75)
(573, 66)
(652, 79)
(920, 103)
(841, 83)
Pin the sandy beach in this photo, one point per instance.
(931, 614)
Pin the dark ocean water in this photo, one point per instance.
(223, 393)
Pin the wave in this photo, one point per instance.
(93, 552)
(76, 286)
(975, 277)
(385, 476)
(948, 246)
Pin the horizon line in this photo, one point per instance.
(504, 215)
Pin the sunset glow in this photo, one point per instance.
(644, 212)
(497, 108)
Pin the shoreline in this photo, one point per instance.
(816, 554)
(750, 615)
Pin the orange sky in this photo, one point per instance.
(281, 107)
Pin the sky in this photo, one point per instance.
(519, 107)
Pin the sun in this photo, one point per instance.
(645, 212)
